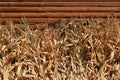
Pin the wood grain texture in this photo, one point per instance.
(46, 11)
(59, 0)
(59, 9)
(59, 4)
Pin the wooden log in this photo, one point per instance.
(45, 20)
(59, 9)
(58, 14)
(60, 4)
(31, 20)
(58, 0)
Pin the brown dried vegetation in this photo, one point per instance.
(77, 49)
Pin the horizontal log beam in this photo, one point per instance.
(31, 20)
(58, 0)
(59, 9)
(59, 4)
(58, 14)
(46, 20)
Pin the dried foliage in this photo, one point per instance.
(77, 49)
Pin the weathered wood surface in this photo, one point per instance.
(59, 0)
(60, 4)
(50, 11)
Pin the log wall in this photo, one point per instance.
(43, 11)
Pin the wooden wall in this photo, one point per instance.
(52, 10)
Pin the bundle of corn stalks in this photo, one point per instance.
(74, 49)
